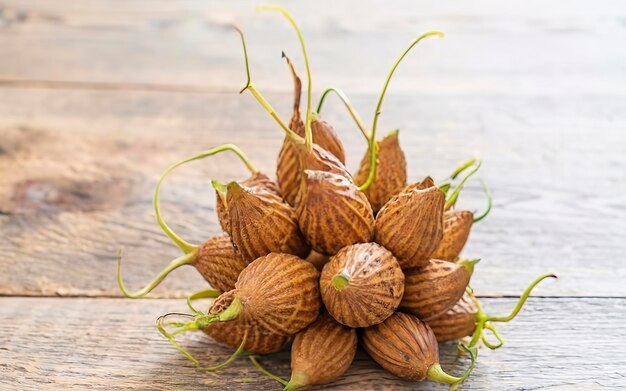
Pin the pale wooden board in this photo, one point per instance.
(526, 48)
(78, 169)
(52, 343)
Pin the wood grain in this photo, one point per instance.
(529, 48)
(55, 343)
(78, 170)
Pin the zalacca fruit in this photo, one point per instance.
(435, 288)
(390, 175)
(456, 323)
(456, 230)
(467, 318)
(261, 223)
(257, 182)
(332, 212)
(216, 260)
(321, 353)
(322, 133)
(410, 224)
(406, 347)
(258, 339)
(277, 292)
(362, 285)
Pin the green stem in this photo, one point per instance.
(186, 259)
(469, 265)
(264, 371)
(341, 281)
(496, 333)
(489, 201)
(205, 294)
(351, 110)
(372, 146)
(521, 301)
(230, 359)
(455, 194)
(307, 123)
(170, 337)
(182, 244)
(462, 168)
(257, 95)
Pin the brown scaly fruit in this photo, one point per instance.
(258, 339)
(261, 223)
(257, 182)
(456, 323)
(362, 285)
(406, 347)
(391, 172)
(290, 158)
(435, 288)
(456, 230)
(332, 212)
(216, 260)
(410, 224)
(321, 353)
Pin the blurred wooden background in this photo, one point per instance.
(98, 97)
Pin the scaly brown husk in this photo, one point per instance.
(332, 212)
(219, 263)
(322, 352)
(403, 345)
(257, 182)
(390, 172)
(261, 223)
(410, 224)
(456, 230)
(258, 339)
(374, 284)
(456, 323)
(434, 289)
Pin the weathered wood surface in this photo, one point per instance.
(527, 48)
(53, 343)
(79, 168)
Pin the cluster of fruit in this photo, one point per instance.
(328, 260)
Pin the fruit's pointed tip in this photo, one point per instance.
(552, 276)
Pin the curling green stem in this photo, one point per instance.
(496, 333)
(436, 373)
(489, 201)
(257, 95)
(264, 371)
(170, 338)
(307, 123)
(462, 168)
(520, 302)
(372, 146)
(181, 243)
(175, 264)
(205, 294)
(451, 201)
(230, 359)
(355, 116)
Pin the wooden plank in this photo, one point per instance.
(555, 344)
(492, 47)
(78, 169)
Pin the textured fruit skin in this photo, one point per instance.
(294, 158)
(403, 345)
(279, 292)
(322, 352)
(256, 182)
(433, 289)
(261, 223)
(390, 172)
(410, 225)
(258, 339)
(375, 288)
(456, 230)
(332, 212)
(456, 323)
(219, 263)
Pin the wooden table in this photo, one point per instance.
(97, 98)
